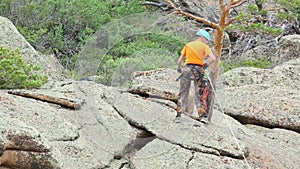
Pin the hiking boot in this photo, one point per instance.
(178, 118)
(204, 120)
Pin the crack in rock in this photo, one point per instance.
(143, 137)
(252, 120)
(191, 158)
(206, 149)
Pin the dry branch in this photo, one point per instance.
(50, 99)
(229, 22)
(191, 16)
(236, 3)
(160, 5)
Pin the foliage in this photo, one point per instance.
(150, 40)
(256, 27)
(151, 59)
(15, 73)
(293, 6)
(61, 27)
(293, 14)
(143, 52)
(31, 35)
(244, 22)
(5, 4)
(258, 63)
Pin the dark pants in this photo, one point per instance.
(195, 73)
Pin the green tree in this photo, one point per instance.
(15, 73)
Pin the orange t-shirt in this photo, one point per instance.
(195, 52)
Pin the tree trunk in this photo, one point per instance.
(50, 99)
(214, 73)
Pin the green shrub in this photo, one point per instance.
(117, 72)
(139, 42)
(15, 73)
(293, 6)
(136, 53)
(258, 63)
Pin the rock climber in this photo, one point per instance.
(195, 53)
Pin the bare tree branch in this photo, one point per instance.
(163, 6)
(225, 10)
(171, 4)
(230, 22)
(278, 9)
(153, 4)
(239, 3)
(191, 16)
(222, 4)
(215, 26)
(234, 2)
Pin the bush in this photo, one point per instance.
(147, 59)
(138, 53)
(293, 7)
(15, 73)
(258, 63)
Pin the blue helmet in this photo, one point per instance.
(203, 33)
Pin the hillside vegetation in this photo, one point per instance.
(63, 28)
(66, 28)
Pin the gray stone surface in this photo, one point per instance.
(283, 146)
(89, 137)
(98, 134)
(157, 83)
(287, 49)
(22, 146)
(191, 134)
(258, 52)
(268, 97)
(239, 85)
(161, 154)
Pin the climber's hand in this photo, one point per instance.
(179, 70)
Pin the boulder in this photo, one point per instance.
(161, 83)
(287, 49)
(253, 142)
(158, 120)
(160, 153)
(268, 97)
(258, 52)
(22, 146)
